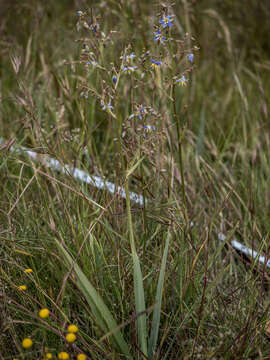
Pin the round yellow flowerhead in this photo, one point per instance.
(44, 313)
(28, 270)
(27, 343)
(48, 355)
(73, 329)
(22, 287)
(63, 355)
(81, 357)
(71, 337)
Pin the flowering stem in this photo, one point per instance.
(180, 157)
(144, 205)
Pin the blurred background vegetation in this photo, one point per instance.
(232, 35)
(245, 22)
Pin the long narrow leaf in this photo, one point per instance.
(139, 302)
(157, 310)
(101, 313)
(138, 282)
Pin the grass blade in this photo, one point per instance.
(139, 302)
(138, 282)
(157, 310)
(102, 314)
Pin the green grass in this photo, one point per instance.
(140, 282)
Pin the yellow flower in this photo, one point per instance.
(71, 337)
(44, 313)
(63, 355)
(81, 357)
(27, 343)
(73, 328)
(22, 287)
(48, 356)
(28, 270)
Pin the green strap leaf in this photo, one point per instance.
(102, 314)
(157, 310)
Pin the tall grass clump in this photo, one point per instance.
(165, 107)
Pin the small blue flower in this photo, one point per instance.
(94, 28)
(190, 57)
(79, 13)
(93, 63)
(129, 69)
(106, 106)
(140, 112)
(114, 79)
(166, 21)
(159, 37)
(183, 81)
(129, 57)
(156, 63)
(84, 94)
(148, 128)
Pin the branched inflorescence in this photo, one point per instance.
(139, 78)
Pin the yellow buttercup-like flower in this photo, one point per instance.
(44, 313)
(22, 287)
(63, 355)
(73, 329)
(71, 337)
(27, 343)
(28, 270)
(81, 357)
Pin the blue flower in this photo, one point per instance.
(159, 37)
(93, 63)
(106, 106)
(140, 112)
(84, 94)
(79, 13)
(129, 69)
(156, 63)
(183, 81)
(148, 128)
(114, 79)
(94, 28)
(129, 57)
(190, 57)
(166, 21)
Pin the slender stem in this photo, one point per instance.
(180, 156)
(130, 225)
(144, 206)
